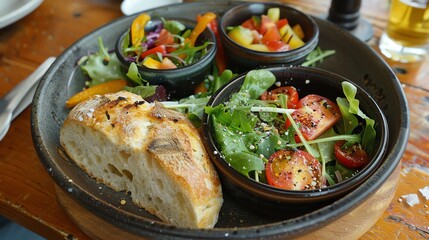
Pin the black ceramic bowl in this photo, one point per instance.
(245, 59)
(306, 81)
(180, 81)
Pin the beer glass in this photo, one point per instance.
(406, 38)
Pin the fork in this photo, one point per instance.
(20, 97)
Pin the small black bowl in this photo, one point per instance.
(245, 59)
(181, 81)
(263, 196)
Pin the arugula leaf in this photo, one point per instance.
(317, 55)
(369, 133)
(190, 52)
(219, 81)
(191, 105)
(349, 121)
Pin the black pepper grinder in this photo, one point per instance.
(345, 13)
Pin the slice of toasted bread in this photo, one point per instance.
(151, 152)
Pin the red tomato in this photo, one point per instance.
(272, 34)
(280, 23)
(220, 55)
(353, 156)
(294, 170)
(158, 49)
(314, 115)
(250, 24)
(165, 38)
(277, 46)
(266, 23)
(289, 91)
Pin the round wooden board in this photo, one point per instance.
(350, 226)
(95, 227)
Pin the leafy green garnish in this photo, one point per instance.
(190, 105)
(317, 55)
(192, 53)
(101, 66)
(173, 26)
(143, 88)
(245, 162)
(349, 108)
(253, 86)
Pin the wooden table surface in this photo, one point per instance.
(27, 192)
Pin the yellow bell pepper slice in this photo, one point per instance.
(99, 89)
(152, 63)
(199, 28)
(137, 28)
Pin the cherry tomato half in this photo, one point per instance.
(289, 91)
(294, 170)
(353, 156)
(314, 115)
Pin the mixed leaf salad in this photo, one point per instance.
(289, 141)
(164, 44)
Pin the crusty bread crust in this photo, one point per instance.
(151, 152)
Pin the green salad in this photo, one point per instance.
(292, 142)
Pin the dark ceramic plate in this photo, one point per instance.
(353, 59)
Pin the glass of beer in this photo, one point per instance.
(406, 38)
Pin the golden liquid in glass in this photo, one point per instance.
(409, 22)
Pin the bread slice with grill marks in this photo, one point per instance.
(151, 152)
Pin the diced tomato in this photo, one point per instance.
(250, 24)
(289, 91)
(314, 115)
(266, 23)
(272, 34)
(158, 49)
(277, 46)
(353, 156)
(280, 23)
(294, 170)
(165, 38)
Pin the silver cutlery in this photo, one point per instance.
(14, 102)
